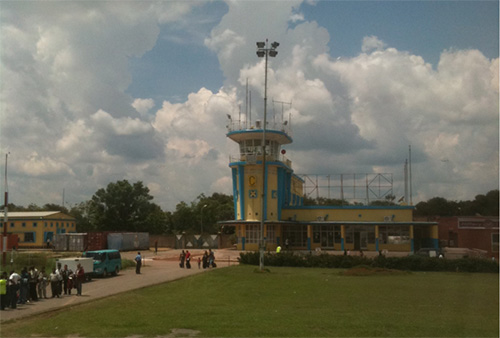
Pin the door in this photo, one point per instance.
(326, 237)
(360, 240)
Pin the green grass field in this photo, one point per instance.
(287, 302)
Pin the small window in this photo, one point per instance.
(34, 224)
(46, 224)
(29, 237)
(11, 225)
(24, 224)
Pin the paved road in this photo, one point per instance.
(157, 269)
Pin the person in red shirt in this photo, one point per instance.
(188, 259)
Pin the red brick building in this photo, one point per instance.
(476, 232)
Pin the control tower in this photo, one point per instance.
(281, 187)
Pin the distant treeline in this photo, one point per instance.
(122, 206)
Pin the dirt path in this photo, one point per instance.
(156, 269)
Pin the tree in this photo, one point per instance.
(81, 214)
(206, 211)
(182, 218)
(485, 205)
(123, 207)
(55, 207)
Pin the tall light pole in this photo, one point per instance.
(263, 50)
(5, 211)
(203, 207)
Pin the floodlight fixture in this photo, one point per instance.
(273, 53)
(261, 44)
(261, 53)
(275, 44)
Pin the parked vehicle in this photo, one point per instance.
(105, 262)
(86, 263)
(429, 252)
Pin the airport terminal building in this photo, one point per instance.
(287, 220)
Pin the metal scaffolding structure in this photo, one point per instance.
(363, 188)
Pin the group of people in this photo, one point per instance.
(208, 260)
(31, 285)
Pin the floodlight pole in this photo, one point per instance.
(264, 51)
(5, 221)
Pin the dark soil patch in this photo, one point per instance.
(369, 271)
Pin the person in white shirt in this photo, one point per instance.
(13, 288)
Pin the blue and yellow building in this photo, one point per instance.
(34, 228)
(275, 194)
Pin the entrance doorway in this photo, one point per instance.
(360, 240)
(327, 239)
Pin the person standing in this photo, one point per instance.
(211, 259)
(59, 272)
(64, 275)
(54, 283)
(13, 288)
(23, 293)
(138, 263)
(188, 259)
(182, 257)
(79, 277)
(3, 290)
(42, 284)
(205, 259)
(33, 281)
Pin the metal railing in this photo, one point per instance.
(238, 125)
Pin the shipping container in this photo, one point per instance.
(60, 242)
(97, 241)
(77, 242)
(12, 242)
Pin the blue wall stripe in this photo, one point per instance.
(235, 191)
(241, 172)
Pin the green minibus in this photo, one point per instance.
(105, 262)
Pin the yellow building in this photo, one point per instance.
(271, 197)
(34, 228)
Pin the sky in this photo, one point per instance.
(93, 92)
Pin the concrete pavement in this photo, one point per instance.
(156, 269)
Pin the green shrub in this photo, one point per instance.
(407, 263)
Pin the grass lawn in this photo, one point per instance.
(287, 302)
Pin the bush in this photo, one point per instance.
(408, 263)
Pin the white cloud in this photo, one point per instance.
(69, 121)
(143, 106)
(371, 43)
(120, 126)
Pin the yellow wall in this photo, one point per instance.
(253, 182)
(272, 184)
(21, 226)
(252, 205)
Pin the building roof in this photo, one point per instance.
(30, 214)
